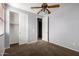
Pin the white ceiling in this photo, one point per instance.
(27, 6)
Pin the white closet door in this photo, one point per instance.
(23, 28)
(45, 28)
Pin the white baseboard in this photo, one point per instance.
(32, 42)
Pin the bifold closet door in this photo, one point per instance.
(23, 28)
(45, 28)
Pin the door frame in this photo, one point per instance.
(48, 28)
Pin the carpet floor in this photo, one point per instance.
(40, 48)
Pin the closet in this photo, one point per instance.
(14, 27)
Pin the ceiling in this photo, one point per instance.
(27, 6)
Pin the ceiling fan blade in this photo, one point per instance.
(35, 7)
(54, 6)
(48, 11)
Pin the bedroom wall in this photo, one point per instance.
(64, 26)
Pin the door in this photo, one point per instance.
(23, 29)
(45, 28)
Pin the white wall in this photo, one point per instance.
(64, 26)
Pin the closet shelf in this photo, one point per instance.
(14, 23)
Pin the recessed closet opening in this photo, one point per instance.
(14, 28)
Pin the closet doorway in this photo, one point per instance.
(39, 22)
(14, 28)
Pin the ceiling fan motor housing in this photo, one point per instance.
(44, 5)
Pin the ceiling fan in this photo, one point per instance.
(45, 7)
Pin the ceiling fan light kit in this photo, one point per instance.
(45, 7)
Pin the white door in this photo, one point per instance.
(23, 28)
(45, 28)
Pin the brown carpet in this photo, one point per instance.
(40, 48)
